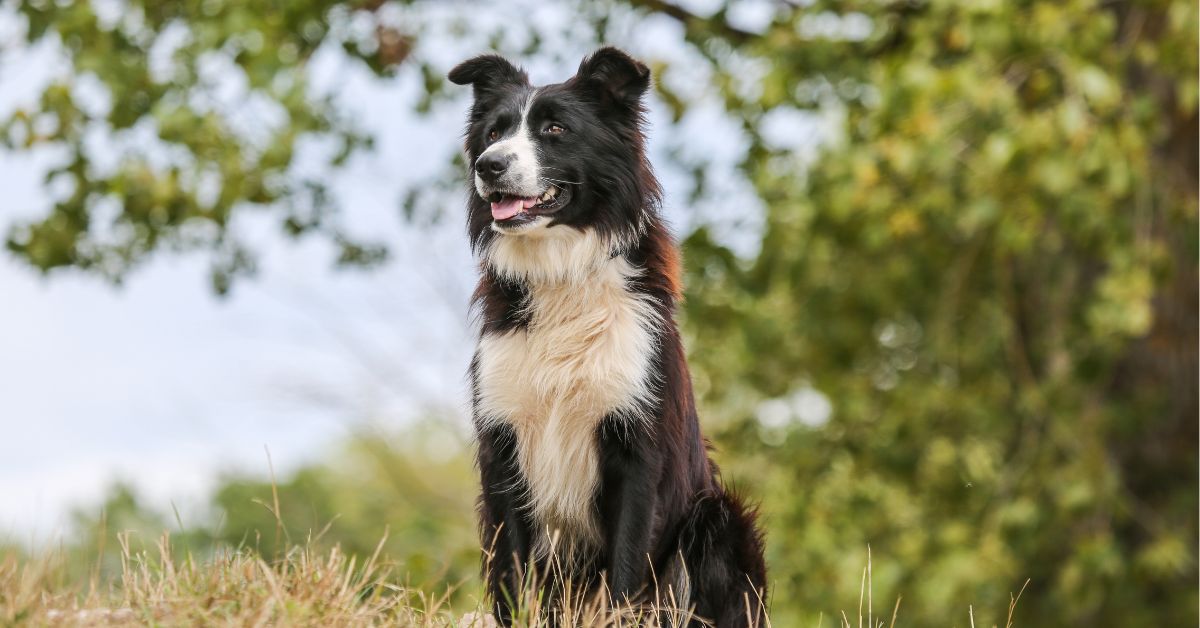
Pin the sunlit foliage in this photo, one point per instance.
(967, 337)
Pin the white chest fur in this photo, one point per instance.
(585, 354)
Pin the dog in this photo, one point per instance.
(591, 459)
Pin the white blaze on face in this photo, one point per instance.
(523, 169)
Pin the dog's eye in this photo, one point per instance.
(493, 135)
(554, 129)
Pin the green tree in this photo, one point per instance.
(413, 492)
(157, 70)
(409, 494)
(992, 276)
(101, 537)
(990, 273)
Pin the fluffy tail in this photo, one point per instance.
(722, 551)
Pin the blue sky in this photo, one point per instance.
(163, 385)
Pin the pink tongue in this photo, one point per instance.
(511, 206)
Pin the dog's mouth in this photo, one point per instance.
(510, 209)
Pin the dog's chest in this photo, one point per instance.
(584, 355)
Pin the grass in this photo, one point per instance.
(237, 587)
(303, 587)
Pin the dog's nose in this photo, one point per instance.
(490, 167)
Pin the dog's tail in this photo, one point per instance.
(722, 550)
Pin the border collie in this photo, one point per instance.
(591, 458)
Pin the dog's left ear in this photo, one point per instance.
(615, 77)
(487, 72)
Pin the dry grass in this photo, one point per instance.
(234, 588)
(305, 587)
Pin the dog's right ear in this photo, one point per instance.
(487, 72)
(614, 77)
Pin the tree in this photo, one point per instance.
(967, 337)
(155, 71)
(376, 491)
(992, 276)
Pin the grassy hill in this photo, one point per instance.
(307, 586)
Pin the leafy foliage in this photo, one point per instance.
(393, 487)
(205, 104)
(992, 278)
(967, 336)
(377, 493)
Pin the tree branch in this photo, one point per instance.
(691, 20)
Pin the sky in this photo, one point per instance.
(163, 385)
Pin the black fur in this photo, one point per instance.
(659, 497)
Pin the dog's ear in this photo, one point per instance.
(487, 72)
(615, 77)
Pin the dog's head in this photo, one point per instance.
(567, 156)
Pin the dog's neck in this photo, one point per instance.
(555, 256)
(519, 270)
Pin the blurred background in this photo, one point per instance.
(941, 280)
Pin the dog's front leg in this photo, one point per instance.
(505, 532)
(630, 469)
